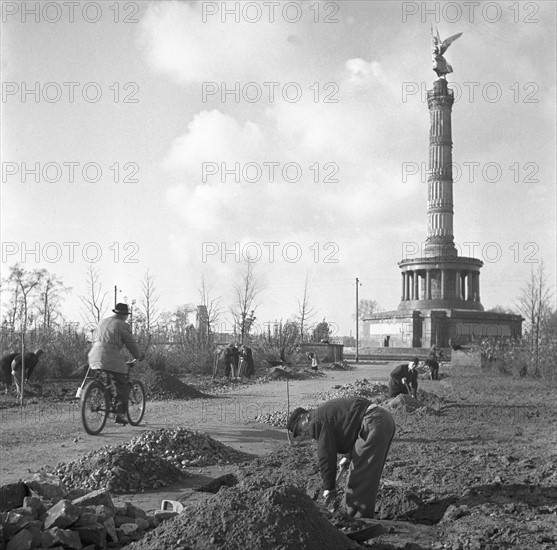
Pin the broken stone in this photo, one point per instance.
(93, 534)
(12, 495)
(23, 540)
(12, 522)
(86, 518)
(120, 520)
(95, 498)
(61, 515)
(134, 511)
(35, 506)
(104, 512)
(128, 528)
(47, 486)
(66, 537)
(111, 529)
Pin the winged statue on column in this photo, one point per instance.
(439, 47)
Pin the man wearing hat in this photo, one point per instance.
(113, 334)
(358, 429)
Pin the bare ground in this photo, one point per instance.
(476, 468)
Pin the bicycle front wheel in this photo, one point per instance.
(94, 407)
(136, 402)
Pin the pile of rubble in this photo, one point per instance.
(41, 513)
(155, 459)
(119, 470)
(184, 447)
(360, 388)
(275, 418)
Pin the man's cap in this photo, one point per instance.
(415, 360)
(294, 417)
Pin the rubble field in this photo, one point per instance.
(473, 466)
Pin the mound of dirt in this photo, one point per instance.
(165, 386)
(249, 516)
(402, 403)
(184, 447)
(119, 470)
(289, 465)
(155, 459)
(374, 391)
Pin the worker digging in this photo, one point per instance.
(359, 430)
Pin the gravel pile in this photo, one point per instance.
(276, 418)
(119, 470)
(154, 459)
(183, 447)
(359, 388)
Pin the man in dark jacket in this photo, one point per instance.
(358, 429)
(31, 360)
(6, 369)
(403, 377)
(228, 359)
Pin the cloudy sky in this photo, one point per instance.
(184, 137)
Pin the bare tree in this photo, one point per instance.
(212, 305)
(244, 308)
(535, 306)
(23, 284)
(94, 302)
(149, 301)
(50, 293)
(14, 303)
(305, 310)
(27, 281)
(366, 308)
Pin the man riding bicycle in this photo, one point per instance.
(113, 334)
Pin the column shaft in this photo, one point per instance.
(443, 283)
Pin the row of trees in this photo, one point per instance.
(536, 352)
(32, 304)
(32, 307)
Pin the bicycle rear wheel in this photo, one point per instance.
(94, 407)
(136, 402)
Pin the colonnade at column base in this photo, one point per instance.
(440, 282)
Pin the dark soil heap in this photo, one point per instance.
(165, 386)
(289, 465)
(254, 516)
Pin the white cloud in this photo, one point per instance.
(179, 43)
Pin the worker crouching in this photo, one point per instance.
(357, 429)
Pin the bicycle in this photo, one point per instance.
(98, 400)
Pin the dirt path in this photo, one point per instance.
(46, 434)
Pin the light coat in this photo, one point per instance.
(113, 334)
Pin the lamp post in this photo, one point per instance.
(358, 284)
